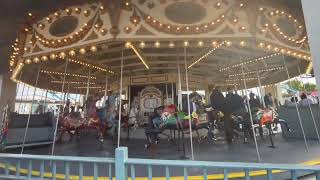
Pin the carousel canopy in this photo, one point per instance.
(219, 42)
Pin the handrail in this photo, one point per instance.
(229, 165)
(57, 158)
(24, 166)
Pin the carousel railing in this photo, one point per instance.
(231, 170)
(22, 166)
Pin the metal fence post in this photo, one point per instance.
(120, 168)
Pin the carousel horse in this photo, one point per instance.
(169, 118)
(262, 118)
(72, 123)
(108, 115)
(133, 114)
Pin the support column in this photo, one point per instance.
(311, 10)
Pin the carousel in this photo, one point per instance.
(147, 53)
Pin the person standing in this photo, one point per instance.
(217, 99)
(268, 100)
(218, 103)
(236, 106)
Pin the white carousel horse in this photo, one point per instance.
(133, 114)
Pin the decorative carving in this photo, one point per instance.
(150, 98)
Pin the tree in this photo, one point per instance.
(310, 87)
(295, 85)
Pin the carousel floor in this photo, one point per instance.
(286, 151)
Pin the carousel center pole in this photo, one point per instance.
(30, 112)
(251, 119)
(59, 110)
(309, 105)
(120, 100)
(296, 105)
(188, 100)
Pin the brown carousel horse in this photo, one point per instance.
(73, 123)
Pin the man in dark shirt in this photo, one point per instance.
(234, 101)
(268, 100)
(218, 103)
(217, 99)
(254, 103)
(235, 106)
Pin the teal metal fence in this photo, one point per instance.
(15, 166)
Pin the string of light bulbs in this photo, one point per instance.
(205, 55)
(72, 82)
(90, 65)
(241, 79)
(130, 45)
(67, 74)
(258, 59)
(259, 71)
(91, 87)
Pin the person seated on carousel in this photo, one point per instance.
(90, 105)
(196, 104)
(156, 118)
(172, 119)
(168, 116)
(73, 113)
(305, 102)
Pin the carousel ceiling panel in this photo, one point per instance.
(185, 12)
(63, 26)
(287, 27)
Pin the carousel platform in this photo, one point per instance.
(289, 151)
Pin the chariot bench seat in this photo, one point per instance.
(40, 131)
(290, 115)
